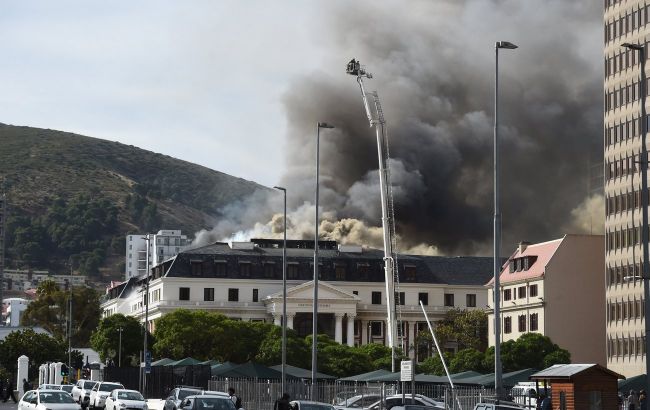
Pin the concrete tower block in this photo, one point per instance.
(57, 373)
(23, 368)
(51, 372)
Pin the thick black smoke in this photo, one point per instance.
(433, 63)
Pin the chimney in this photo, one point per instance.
(522, 246)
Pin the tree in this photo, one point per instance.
(559, 356)
(40, 348)
(531, 350)
(379, 355)
(433, 364)
(468, 328)
(339, 359)
(270, 350)
(199, 334)
(50, 310)
(467, 359)
(106, 339)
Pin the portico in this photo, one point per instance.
(335, 307)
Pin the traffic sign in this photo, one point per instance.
(406, 371)
(147, 362)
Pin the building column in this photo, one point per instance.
(351, 330)
(277, 320)
(363, 337)
(338, 328)
(290, 317)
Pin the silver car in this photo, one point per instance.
(47, 400)
(100, 392)
(122, 399)
(81, 390)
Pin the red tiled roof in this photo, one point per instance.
(543, 251)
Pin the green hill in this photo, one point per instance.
(72, 198)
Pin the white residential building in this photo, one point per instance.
(22, 280)
(244, 281)
(13, 309)
(555, 288)
(162, 246)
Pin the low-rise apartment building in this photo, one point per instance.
(162, 246)
(555, 288)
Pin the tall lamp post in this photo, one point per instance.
(643, 159)
(119, 350)
(314, 332)
(146, 316)
(284, 291)
(498, 382)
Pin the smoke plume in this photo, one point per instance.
(433, 66)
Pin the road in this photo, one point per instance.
(9, 405)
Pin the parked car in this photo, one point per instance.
(177, 395)
(49, 387)
(396, 400)
(82, 390)
(416, 407)
(208, 402)
(356, 402)
(100, 392)
(67, 388)
(498, 405)
(310, 405)
(121, 399)
(47, 399)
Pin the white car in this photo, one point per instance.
(49, 387)
(356, 402)
(47, 399)
(396, 400)
(121, 399)
(82, 390)
(100, 393)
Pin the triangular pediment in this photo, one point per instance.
(325, 291)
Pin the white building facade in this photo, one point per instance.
(244, 282)
(23, 279)
(13, 310)
(162, 246)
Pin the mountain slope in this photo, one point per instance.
(149, 191)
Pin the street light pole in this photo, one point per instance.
(70, 331)
(146, 317)
(498, 381)
(284, 291)
(119, 350)
(643, 159)
(314, 332)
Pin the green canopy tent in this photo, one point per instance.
(210, 363)
(365, 377)
(220, 368)
(419, 378)
(509, 379)
(633, 383)
(249, 370)
(162, 362)
(465, 375)
(188, 361)
(300, 373)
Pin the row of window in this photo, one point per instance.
(624, 310)
(617, 275)
(521, 323)
(622, 25)
(621, 238)
(610, 3)
(625, 346)
(376, 297)
(208, 294)
(621, 61)
(519, 292)
(623, 131)
(621, 167)
(622, 202)
(523, 263)
(220, 268)
(625, 94)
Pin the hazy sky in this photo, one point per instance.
(197, 80)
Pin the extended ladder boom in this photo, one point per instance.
(376, 119)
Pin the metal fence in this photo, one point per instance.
(161, 380)
(261, 394)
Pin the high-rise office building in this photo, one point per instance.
(625, 21)
(162, 245)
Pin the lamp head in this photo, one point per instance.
(279, 188)
(633, 46)
(324, 125)
(505, 44)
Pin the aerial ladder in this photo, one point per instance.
(376, 119)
